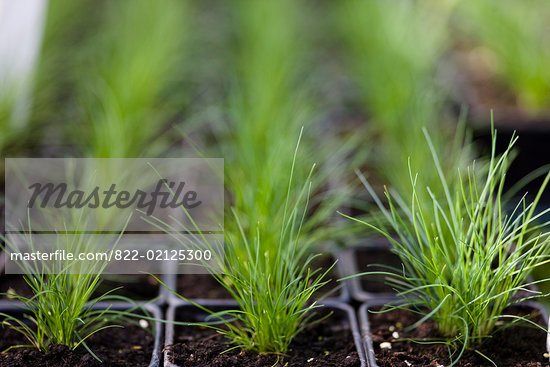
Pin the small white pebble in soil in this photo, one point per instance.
(408, 363)
(385, 345)
(392, 328)
(310, 360)
(143, 323)
(395, 335)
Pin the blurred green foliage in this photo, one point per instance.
(394, 53)
(126, 73)
(517, 34)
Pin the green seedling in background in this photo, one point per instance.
(128, 75)
(394, 50)
(514, 40)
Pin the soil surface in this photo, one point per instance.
(365, 261)
(328, 344)
(204, 286)
(136, 287)
(116, 347)
(513, 347)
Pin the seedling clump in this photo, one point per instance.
(464, 257)
(64, 292)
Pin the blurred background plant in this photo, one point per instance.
(394, 54)
(68, 27)
(21, 33)
(128, 76)
(510, 44)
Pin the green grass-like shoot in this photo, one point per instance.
(274, 291)
(64, 293)
(464, 258)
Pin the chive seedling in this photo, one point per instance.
(273, 292)
(464, 259)
(271, 227)
(61, 308)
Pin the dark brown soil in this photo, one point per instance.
(116, 347)
(365, 261)
(513, 347)
(328, 344)
(204, 286)
(10, 282)
(136, 287)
